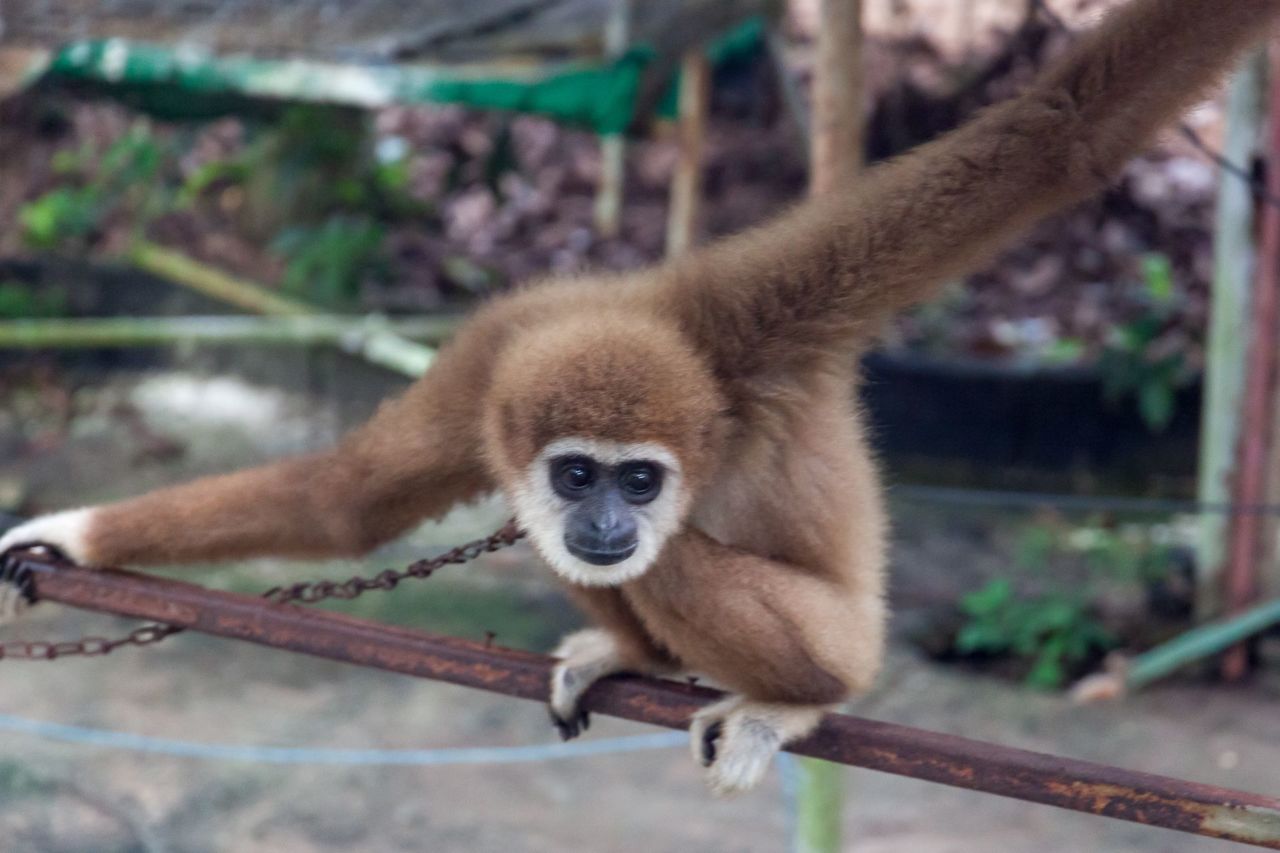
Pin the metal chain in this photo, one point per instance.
(14, 574)
(314, 591)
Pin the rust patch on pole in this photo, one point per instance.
(932, 756)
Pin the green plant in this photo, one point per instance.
(208, 174)
(59, 215)
(19, 301)
(326, 263)
(125, 176)
(1133, 363)
(1053, 631)
(1127, 553)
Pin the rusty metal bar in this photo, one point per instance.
(1036, 777)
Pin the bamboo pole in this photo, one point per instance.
(193, 275)
(347, 333)
(820, 806)
(382, 347)
(686, 183)
(1227, 346)
(1125, 675)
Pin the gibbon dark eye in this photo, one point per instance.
(572, 477)
(640, 482)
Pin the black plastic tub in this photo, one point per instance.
(973, 422)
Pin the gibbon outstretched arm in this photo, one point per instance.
(829, 274)
(416, 458)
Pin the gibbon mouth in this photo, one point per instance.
(601, 558)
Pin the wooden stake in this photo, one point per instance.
(837, 96)
(686, 183)
(613, 147)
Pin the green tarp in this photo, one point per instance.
(178, 82)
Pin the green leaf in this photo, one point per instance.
(1156, 404)
(1064, 351)
(989, 599)
(1157, 274)
(58, 215)
(981, 637)
(1047, 673)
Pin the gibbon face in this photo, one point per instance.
(600, 432)
(599, 511)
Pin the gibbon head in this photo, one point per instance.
(601, 433)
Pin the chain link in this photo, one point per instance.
(15, 574)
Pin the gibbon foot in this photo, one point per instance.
(709, 738)
(736, 739)
(16, 591)
(586, 657)
(571, 727)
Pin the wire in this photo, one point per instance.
(347, 757)
(996, 498)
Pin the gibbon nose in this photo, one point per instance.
(605, 522)
(602, 532)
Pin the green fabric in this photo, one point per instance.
(182, 83)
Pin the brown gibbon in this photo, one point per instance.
(682, 444)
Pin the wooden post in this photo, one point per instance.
(686, 183)
(613, 146)
(1249, 486)
(837, 96)
(836, 157)
(1227, 347)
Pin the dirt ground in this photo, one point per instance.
(61, 796)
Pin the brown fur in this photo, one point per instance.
(739, 359)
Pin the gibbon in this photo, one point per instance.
(682, 444)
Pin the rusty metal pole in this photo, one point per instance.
(1244, 548)
(932, 756)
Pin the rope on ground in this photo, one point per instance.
(336, 756)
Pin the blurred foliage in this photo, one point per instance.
(123, 178)
(1053, 631)
(326, 263)
(310, 184)
(1134, 364)
(1127, 554)
(1052, 624)
(22, 301)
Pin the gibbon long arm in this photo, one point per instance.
(827, 275)
(415, 459)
